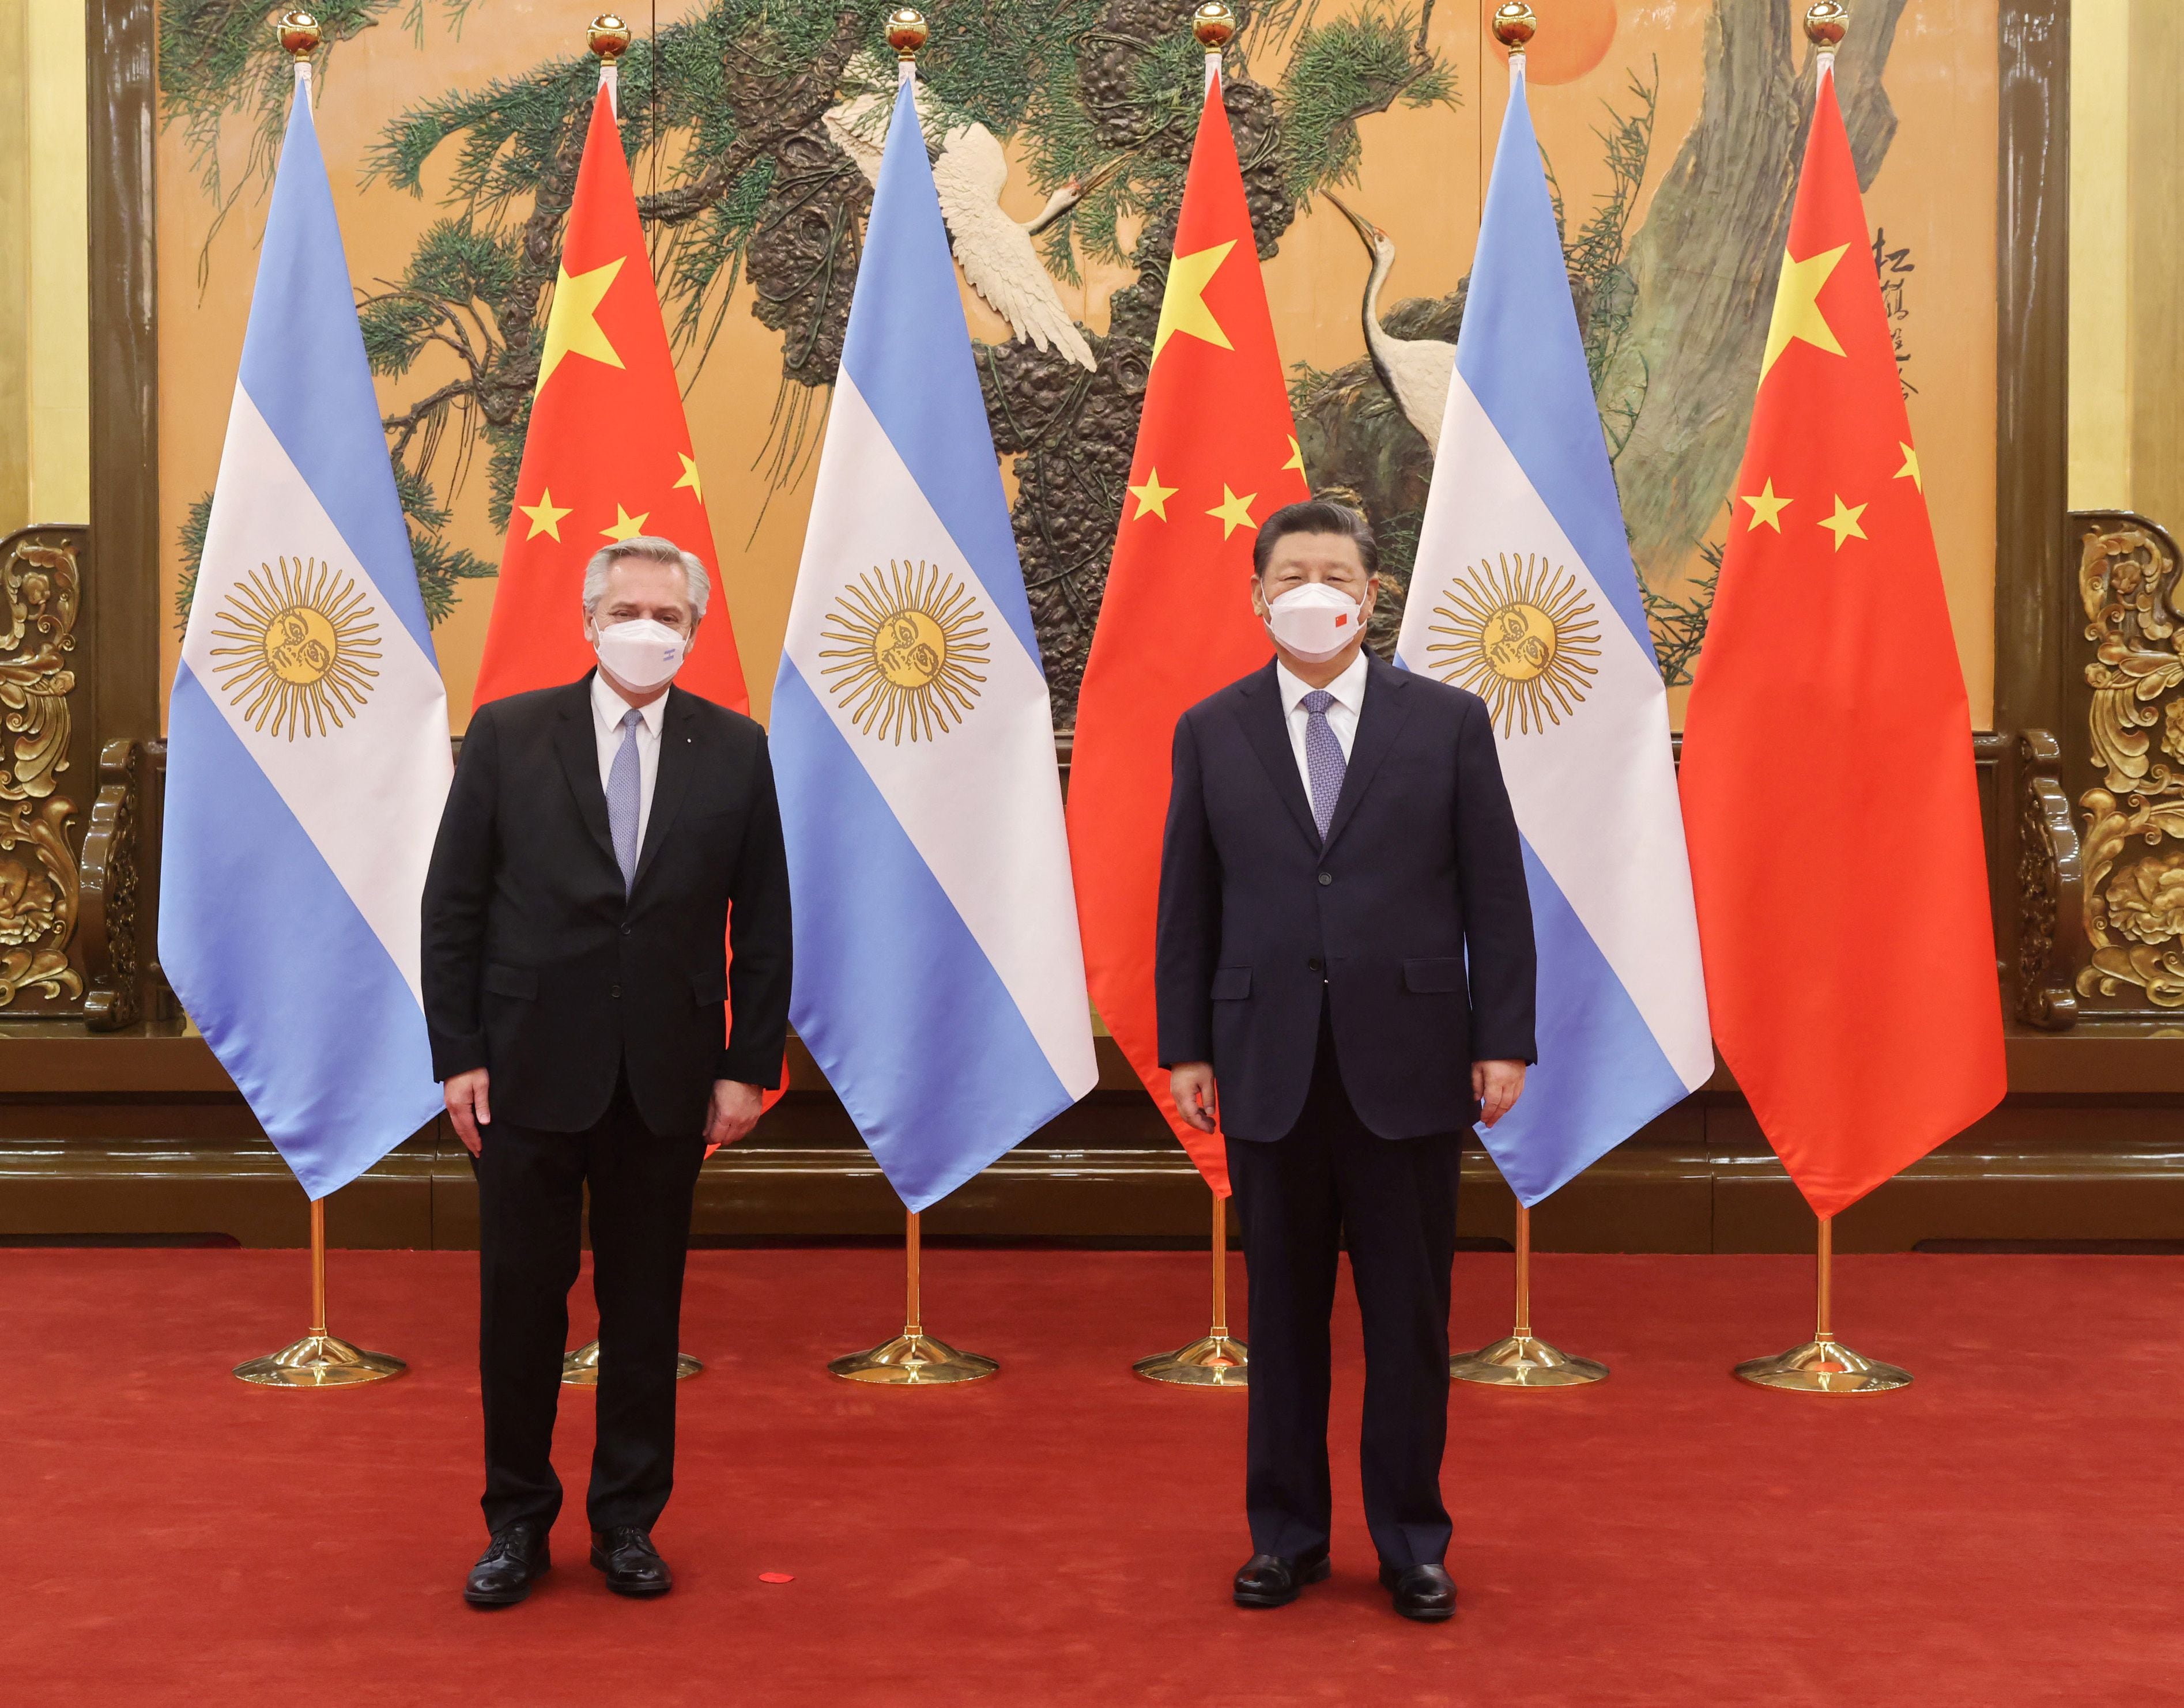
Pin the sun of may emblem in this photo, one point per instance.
(1518, 638)
(298, 647)
(907, 654)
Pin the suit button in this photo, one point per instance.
(1316, 965)
(1327, 877)
(614, 990)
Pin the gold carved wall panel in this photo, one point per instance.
(41, 891)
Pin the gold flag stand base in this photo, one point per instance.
(1520, 1358)
(913, 1359)
(318, 1360)
(1217, 1359)
(1824, 1365)
(581, 1368)
(1523, 1360)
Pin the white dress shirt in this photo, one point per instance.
(1349, 692)
(608, 709)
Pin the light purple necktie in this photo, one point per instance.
(625, 784)
(1323, 759)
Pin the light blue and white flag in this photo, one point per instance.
(1524, 593)
(939, 979)
(307, 753)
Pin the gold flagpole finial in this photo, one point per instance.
(298, 33)
(609, 37)
(1515, 25)
(906, 32)
(1826, 23)
(1214, 26)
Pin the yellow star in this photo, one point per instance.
(1296, 456)
(572, 324)
(545, 515)
(1911, 468)
(1182, 305)
(625, 525)
(1843, 525)
(1234, 512)
(690, 477)
(1152, 497)
(1797, 306)
(1766, 507)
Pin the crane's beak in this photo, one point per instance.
(1369, 233)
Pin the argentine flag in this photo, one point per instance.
(1524, 593)
(939, 979)
(307, 752)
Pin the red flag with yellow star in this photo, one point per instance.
(1216, 454)
(1828, 789)
(607, 454)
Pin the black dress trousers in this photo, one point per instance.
(1394, 1199)
(531, 1196)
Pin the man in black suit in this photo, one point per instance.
(1339, 846)
(599, 841)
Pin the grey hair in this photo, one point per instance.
(652, 549)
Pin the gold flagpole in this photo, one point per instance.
(318, 1360)
(1520, 1358)
(1824, 1365)
(913, 1359)
(1217, 1360)
(609, 37)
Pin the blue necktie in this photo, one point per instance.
(1323, 757)
(625, 785)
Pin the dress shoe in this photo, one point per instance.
(1421, 1592)
(632, 1567)
(1268, 1580)
(505, 1572)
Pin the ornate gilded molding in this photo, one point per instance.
(2134, 901)
(40, 585)
(110, 891)
(2051, 887)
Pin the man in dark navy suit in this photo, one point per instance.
(1346, 953)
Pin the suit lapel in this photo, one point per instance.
(1268, 733)
(678, 762)
(1379, 721)
(578, 744)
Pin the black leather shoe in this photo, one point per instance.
(1268, 1580)
(632, 1567)
(505, 1572)
(1421, 1592)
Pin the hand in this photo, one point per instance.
(1497, 1085)
(1191, 1084)
(465, 1093)
(735, 1111)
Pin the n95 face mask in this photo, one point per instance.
(1315, 621)
(643, 653)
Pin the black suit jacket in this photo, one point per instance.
(537, 967)
(1259, 922)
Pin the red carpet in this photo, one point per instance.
(2008, 1531)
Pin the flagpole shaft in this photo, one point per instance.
(913, 1324)
(1523, 1329)
(317, 1266)
(1827, 1251)
(1220, 1268)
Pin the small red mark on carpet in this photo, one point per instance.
(776, 1576)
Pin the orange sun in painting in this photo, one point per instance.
(1574, 37)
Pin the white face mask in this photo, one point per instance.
(642, 654)
(1315, 621)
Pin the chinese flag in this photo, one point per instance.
(1216, 454)
(607, 454)
(1827, 772)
